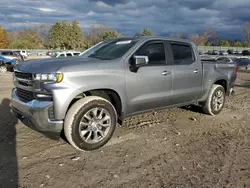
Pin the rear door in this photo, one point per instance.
(187, 73)
(149, 87)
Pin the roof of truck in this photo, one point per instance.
(141, 37)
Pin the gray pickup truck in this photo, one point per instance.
(85, 97)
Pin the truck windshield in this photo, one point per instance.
(91, 50)
(112, 50)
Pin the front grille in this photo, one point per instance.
(24, 95)
(23, 83)
(23, 75)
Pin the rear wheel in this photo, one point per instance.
(90, 123)
(3, 68)
(215, 101)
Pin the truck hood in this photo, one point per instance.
(52, 65)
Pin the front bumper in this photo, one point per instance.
(36, 114)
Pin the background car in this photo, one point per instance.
(12, 55)
(245, 52)
(24, 53)
(238, 52)
(231, 52)
(7, 64)
(66, 54)
(242, 62)
(210, 52)
(216, 52)
(223, 52)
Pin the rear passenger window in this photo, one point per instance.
(182, 54)
(155, 53)
(68, 54)
(61, 55)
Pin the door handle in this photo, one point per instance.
(196, 71)
(166, 73)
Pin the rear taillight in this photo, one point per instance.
(236, 70)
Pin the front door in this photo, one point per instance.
(149, 87)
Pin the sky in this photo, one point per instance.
(163, 17)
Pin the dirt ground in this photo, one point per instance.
(178, 147)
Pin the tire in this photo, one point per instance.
(91, 132)
(208, 106)
(3, 68)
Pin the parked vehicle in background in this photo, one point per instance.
(223, 52)
(66, 54)
(210, 52)
(49, 53)
(237, 52)
(7, 64)
(216, 52)
(41, 53)
(245, 52)
(24, 53)
(243, 63)
(231, 52)
(201, 52)
(86, 97)
(19, 56)
(12, 55)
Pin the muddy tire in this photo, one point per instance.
(3, 68)
(215, 101)
(90, 123)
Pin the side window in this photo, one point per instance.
(182, 54)
(61, 55)
(68, 54)
(76, 54)
(154, 51)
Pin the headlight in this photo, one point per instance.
(52, 77)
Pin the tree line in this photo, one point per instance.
(63, 35)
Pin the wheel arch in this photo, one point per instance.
(223, 83)
(110, 94)
(219, 81)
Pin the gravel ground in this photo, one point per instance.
(178, 147)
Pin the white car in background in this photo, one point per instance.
(24, 53)
(66, 54)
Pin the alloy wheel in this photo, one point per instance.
(95, 125)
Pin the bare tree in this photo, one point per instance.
(43, 30)
(96, 32)
(208, 36)
(178, 36)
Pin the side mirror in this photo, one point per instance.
(140, 60)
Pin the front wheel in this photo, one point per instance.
(90, 123)
(215, 101)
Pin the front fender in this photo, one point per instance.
(119, 90)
